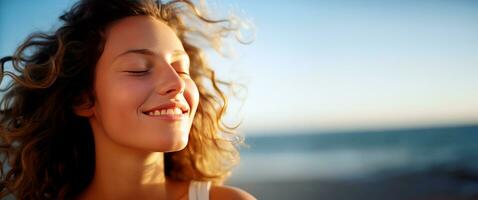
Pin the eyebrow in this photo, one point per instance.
(148, 52)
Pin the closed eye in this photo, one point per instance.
(184, 73)
(143, 72)
(137, 73)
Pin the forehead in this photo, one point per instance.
(140, 32)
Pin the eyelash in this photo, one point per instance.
(185, 73)
(139, 73)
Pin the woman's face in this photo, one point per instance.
(145, 98)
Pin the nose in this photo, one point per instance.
(169, 83)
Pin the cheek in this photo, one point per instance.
(192, 96)
(130, 94)
(120, 100)
(125, 92)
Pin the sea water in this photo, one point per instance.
(359, 155)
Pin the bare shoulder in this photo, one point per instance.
(228, 192)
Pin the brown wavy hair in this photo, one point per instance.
(47, 152)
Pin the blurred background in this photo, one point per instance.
(346, 99)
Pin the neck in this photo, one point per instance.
(124, 173)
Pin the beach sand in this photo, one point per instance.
(409, 186)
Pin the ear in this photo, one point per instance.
(83, 107)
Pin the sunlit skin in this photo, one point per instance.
(143, 66)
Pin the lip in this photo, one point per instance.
(170, 117)
(184, 108)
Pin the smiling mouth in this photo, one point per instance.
(167, 114)
(168, 111)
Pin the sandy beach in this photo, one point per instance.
(411, 164)
(423, 186)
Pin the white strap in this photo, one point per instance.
(199, 190)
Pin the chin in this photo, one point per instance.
(172, 144)
(178, 147)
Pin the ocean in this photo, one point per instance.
(413, 163)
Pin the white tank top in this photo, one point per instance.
(199, 190)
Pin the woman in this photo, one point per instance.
(118, 103)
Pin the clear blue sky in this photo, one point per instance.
(333, 64)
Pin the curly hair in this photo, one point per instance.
(47, 151)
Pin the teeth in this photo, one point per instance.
(170, 111)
